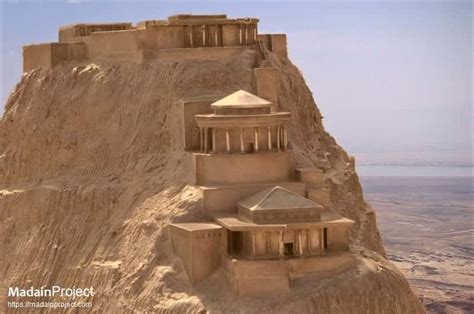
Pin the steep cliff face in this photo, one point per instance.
(92, 168)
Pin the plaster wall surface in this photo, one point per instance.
(206, 253)
(259, 277)
(181, 244)
(337, 237)
(110, 43)
(199, 250)
(313, 178)
(228, 169)
(267, 84)
(327, 265)
(167, 37)
(224, 198)
(37, 56)
(201, 53)
(49, 54)
(279, 45)
(321, 196)
(230, 35)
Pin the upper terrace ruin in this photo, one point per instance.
(199, 36)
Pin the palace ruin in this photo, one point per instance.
(269, 221)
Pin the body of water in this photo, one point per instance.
(414, 171)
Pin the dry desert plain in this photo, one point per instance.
(427, 229)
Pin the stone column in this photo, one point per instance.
(203, 27)
(285, 137)
(278, 138)
(240, 34)
(246, 34)
(201, 140)
(269, 138)
(191, 40)
(256, 139)
(216, 34)
(206, 135)
(253, 243)
(227, 141)
(242, 149)
(214, 148)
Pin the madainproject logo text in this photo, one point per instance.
(53, 291)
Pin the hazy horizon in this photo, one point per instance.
(388, 77)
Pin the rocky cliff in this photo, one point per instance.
(92, 168)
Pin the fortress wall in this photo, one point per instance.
(276, 43)
(203, 53)
(66, 35)
(243, 168)
(226, 198)
(230, 35)
(110, 43)
(50, 54)
(266, 39)
(166, 37)
(267, 84)
(37, 56)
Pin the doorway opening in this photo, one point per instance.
(235, 242)
(325, 237)
(288, 249)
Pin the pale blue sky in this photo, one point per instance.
(388, 76)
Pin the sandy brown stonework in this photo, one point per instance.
(93, 167)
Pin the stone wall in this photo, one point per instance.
(199, 250)
(50, 54)
(228, 169)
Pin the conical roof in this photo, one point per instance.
(241, 99)
(277, 198)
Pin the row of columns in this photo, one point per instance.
(281, 142)
(300, 240)
(244, 35)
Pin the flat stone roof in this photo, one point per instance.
(197, 226)
(233, 223)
